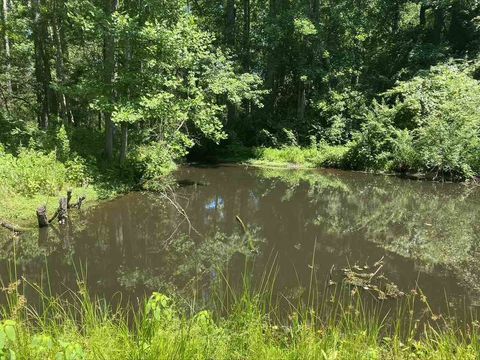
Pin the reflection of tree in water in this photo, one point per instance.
(143, 242)
(434, 223)
(136, 243)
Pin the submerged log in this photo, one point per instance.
(11, 227)
(42, 217)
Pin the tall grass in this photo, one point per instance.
(245, 323)
(321, 155)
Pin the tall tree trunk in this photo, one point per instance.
(315, 11)
(246, 35)
(6, 44)
(108, 74)
(438, 24)
(301, 101)
(42, 64)
(124, 143)
(60, 70)
(230, 34)
(60, 58)
(230, 17)
(396, 17)
(423, 15)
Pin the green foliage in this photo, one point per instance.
(432, 125)
(32, 172)
(183, 90)
(340, 114)
(8, 337)
(62, 144)
(321, 155)
(275, 74)
(153, 161)
(240, 330)
(304, 27)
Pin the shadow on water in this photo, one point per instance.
(424, 234)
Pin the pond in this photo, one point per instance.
(295, 222)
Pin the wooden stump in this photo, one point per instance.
(42, 216)
(61, 213)
(63, 210)
(81, 199)
(69, 197)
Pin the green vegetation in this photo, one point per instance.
(82, 328)
(432, 125)
(429, 124)
(394, 82)
(103, 96)
(314, 156)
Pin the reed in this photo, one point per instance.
(242, 322)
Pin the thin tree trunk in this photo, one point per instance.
(396, 17)
(230, 14)
(246, 35)
(124, 143)
(60, 69)
(42, 63)
(423, 17)
(438, 25)
(301, 102)
(6, 43)
(109, 73)
(61, 57)
(316, 10)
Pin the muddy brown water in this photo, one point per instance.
(426, 233)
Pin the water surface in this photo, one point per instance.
(298, 221)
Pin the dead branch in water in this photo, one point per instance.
(11, 227)
(173, 200)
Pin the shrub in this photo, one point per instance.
(321, 155)
(62, 144)
(431, 124)
(372, 148)
(331, 156)
(32, 172)
(77, 171)
(153, 160)
(339, 114)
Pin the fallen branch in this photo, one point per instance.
(11, 227)
(79, 203)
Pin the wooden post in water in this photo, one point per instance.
(42, 216)
(62, 210)
(69, 197)
(61, 213)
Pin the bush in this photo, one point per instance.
(322, 155)
(331, 156)
(432, 125)
(77, 171)
(339, 115)
(32, 172)
(153, 160)
(372, 148)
